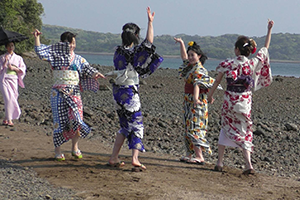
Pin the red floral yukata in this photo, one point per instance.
(242, 74)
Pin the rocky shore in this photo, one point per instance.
(275, 115)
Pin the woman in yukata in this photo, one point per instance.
(132, 61)
(12, 72)
(195, 117)
(242, 74)
(71, 74)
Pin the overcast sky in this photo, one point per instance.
(191, 17)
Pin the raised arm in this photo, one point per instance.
(268, 37)
(149, 35)
(214, 87)
(183, 53)
(37, 34)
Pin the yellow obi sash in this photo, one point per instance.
(65, 77)
(11, 72)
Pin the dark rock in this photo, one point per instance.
(104, 87)
(87, 111)
(143, 82)
(291, 127)
(259, 132)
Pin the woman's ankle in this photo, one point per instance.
(57, 151)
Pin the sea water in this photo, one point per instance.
(278, 68)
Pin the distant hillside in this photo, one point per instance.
(283, 46)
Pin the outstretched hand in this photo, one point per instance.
(150, 16)
(36, 33)
(177, 40)
(98, 75)
(210, 99)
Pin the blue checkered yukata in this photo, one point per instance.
(130, 64)
(71, 74)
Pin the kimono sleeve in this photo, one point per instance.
(145, 60)
(57, 54)
(202, 79)
(86, 72)
(86, 68)
(223, 66)
(21, 75)
(43, 51)
(121, 58)
(2, 61)
(184, 68)
(262, 75)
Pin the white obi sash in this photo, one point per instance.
(65, 77)
(126, 76)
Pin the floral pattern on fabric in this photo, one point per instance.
(195, 119)
(142, 58)
(132, 63)
(236, 111)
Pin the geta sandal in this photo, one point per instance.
(249, 172)
(184, 159)
(196, 161)
(60, 157)
(5, 122)
(77, 154)
(218, 168)
(138, 168)
(118, 164)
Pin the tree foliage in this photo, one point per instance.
(283, 46)
(22, 16)
(87, 41)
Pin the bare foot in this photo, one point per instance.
(138, 164)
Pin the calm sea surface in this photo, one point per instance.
(278, 68)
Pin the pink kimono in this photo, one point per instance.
(9, 85)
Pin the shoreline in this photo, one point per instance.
(177, 56)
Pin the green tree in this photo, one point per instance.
(22, 16)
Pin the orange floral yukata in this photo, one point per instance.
(195, 119)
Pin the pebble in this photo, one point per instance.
(18, 183)
(274, 112)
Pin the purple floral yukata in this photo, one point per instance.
(130, 64)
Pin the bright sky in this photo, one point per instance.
(191, 17)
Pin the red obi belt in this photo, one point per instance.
(189, 89)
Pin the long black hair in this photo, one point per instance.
(130, 34)
(196, 48)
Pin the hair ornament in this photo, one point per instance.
(191, 43)
(253, 44)
(246, 44)
(129, 30)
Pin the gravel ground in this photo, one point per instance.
(275, 116)
(18, 183)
